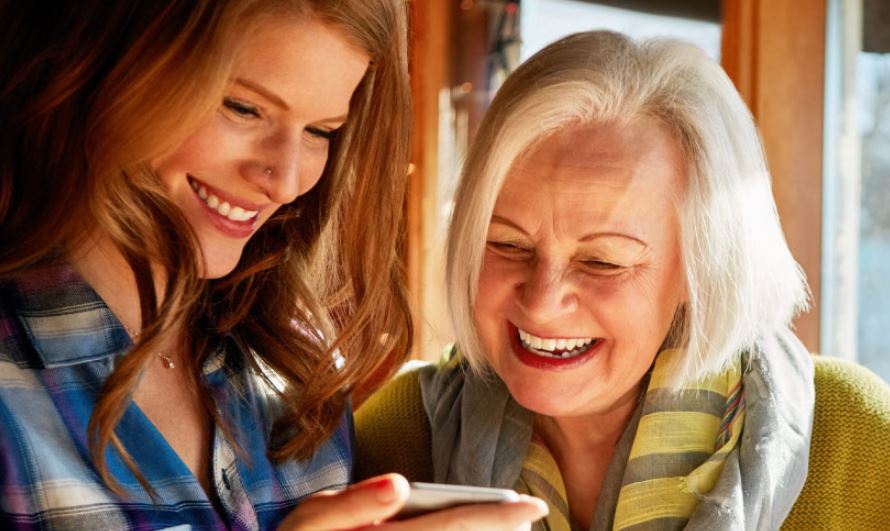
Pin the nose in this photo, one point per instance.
(547, 293)
(279, 170)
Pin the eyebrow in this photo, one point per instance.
(274, 98)
(585, 238)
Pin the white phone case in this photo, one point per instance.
(429, 497)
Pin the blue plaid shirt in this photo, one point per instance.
(58, 343)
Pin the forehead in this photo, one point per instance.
(626, 173)
(310, 65)
(619, 155)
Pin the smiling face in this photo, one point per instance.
(268, 143)
(582, 273)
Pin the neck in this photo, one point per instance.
(582, 447)
(106, 270)
(589, 432)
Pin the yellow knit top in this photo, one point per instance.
(848, 486)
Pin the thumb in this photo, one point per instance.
(361, 504)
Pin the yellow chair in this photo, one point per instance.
(848, 486)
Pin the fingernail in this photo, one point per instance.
(383, 489)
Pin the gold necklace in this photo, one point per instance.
(165, 359)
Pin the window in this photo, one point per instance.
(856, 246)
(544, 21)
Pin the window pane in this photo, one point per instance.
(856, 264)
(873, 87)
(544, 21)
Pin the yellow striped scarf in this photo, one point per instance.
(677, 454)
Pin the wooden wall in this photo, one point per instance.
(775, 53)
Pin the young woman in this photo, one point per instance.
(200, 210)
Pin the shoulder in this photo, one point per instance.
(51, 318)
(15, 347)
(398, 405)
(852, 409)
(849, 468)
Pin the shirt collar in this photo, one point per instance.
(65, 320)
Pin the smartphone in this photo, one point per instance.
(428, 497)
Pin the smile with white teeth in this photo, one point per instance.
(223, 208)
(554, 348)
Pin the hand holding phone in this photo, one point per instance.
(375, 501)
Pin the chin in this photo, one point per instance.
(216, 272)
(219, 264)
(548, 402)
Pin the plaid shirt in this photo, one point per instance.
(58, 343)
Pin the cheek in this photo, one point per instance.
(494, 298)
(200, 151)
(311, 167)
(636, 312)
(497, 281)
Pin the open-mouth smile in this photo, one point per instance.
(551, 352)
(234, 218)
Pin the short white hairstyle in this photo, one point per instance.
(741, 280)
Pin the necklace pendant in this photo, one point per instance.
(165, 359)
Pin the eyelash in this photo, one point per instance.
(601, 265)
(244, 110)
(241, 108)
(514, 249)
(321, 133)
(508, 247)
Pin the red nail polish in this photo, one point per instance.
(384, 489)
(378, 484)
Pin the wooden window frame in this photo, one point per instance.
(775, 54)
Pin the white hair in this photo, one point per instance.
(742, 282)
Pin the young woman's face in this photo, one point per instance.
(582, 272)
(268, 142)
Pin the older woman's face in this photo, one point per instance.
(581, 275)
(268, 143)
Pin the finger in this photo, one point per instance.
(493, 516)
(362, 504)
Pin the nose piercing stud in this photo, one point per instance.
(268, 171)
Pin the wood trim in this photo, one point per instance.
(429, 63)
(737, 46)
(775, 54)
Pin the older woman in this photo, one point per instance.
(621, 293)
(174, 175)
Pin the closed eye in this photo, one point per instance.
(326, 134)
(509, 249)
(241, 109)
(602, 266)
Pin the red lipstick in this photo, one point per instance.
(547, 363)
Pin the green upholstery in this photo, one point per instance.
(848, 486)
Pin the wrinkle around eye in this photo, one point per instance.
(509, 250)
(604, 268)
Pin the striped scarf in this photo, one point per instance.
(681, 442)
(682, 461)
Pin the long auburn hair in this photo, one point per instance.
(86, 101)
